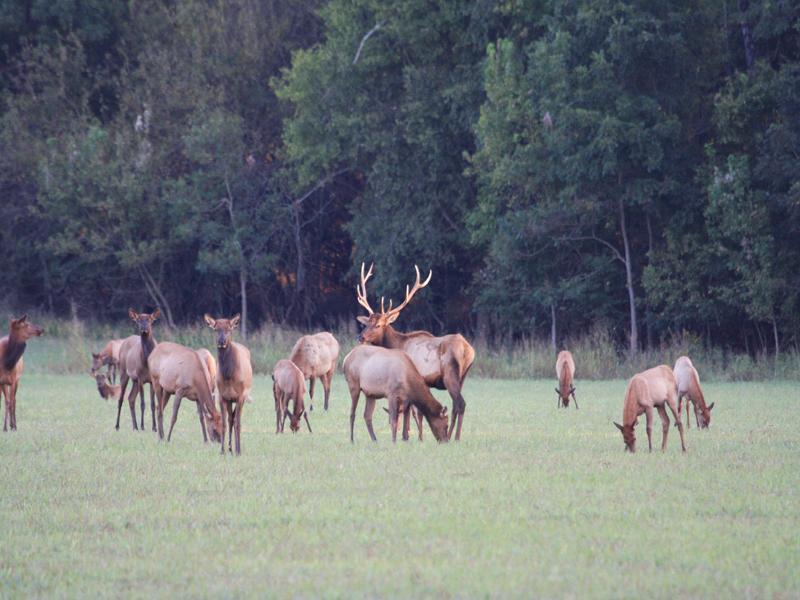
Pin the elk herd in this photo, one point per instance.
(400, 367)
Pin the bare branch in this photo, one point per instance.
(594, 238)
(378, 25)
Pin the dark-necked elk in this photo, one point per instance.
(235, 377)
(443, 362)
(108, 356)
(12, 347)
(288, 384)
(689, 386)
(653, 388)
(133, 355)
(383, 373)
(105, 389)
(316, 356)
(565, 371)
(176, 369)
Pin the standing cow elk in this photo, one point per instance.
(106, 389)
(12, 346)
(316, 356)
(443, 362)
(133, 355)
(108, 356)
(288, 384)
(565, 371)
(689, 386)
(390, 374)
(235, 377)
(176, 369)
(653, 388)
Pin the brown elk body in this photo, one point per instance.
(106, 389)
(565, 371)
(651, 389)
(133, 356)
(384, 373)
(316, 356)
(12, 346)
(108, 356)
(288, 384)
(689, 387)
(176, 369)
(234, 379)
(443, 362)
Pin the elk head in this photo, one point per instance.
(376, 324)
(628, 436)
(97, 362)
(22, 330)
(213, 425)
(704, 416)
(144, 321)
(224, 329)
(294, 421)
(439, 425)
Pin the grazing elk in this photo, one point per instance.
(689, 386)
(176, 369)
(443, 362)
(106, 389)
(383, 373)
(12, 346)
(288, 384)
(316, 356)
(108, 356)
(235, 377)
(133, 356)
(653, 388)
(565, 371)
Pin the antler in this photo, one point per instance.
(410, 294)
(361, 290)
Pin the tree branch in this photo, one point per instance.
(594, 238)
(378, 25)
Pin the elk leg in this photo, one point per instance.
(141, 403)
(132, 402)
(453, 385)
(277, 407)
(222, 413)
(326, 385)
(239, 408)
(162, 402)
(152, 407)
(14, 388)
(112, 373)
(672, 406)
(369, 408)
(4, 397)
(305, 416)
(311, 393)
(174, 413)
(355, 392)
(406, 423)
(229, 408)
(575, 400)
(123, 379)
(202, 422)
(418, 418)
(664, 427)
(648, 412)
(393, 419)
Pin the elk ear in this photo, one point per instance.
(618, 425)
(392, 318)
(571, 389)
(22, 318)
(132, 314)
(444, 412)
(155, 314)
(362, 319)
(235, 320)
(95, 355)
(710, 406)
(209, 320)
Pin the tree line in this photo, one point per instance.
(559, 166)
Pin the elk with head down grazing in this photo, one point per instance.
(565, 371)
(288, 384)
(316, 356)
(443, 362)
(12, 346)
(108, 356)
(689, 387)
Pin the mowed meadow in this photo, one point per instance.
(533, 501)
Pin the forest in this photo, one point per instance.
(559, 166)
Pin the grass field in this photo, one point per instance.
(533, 502)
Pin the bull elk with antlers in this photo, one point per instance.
(442, 361)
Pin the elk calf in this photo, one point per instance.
(689, 386)
(316, 356)
(12, 346)
(390, 374)
(288, 384)
(105, 389)
(565, 371)
(108, 356)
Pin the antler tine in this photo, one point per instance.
(418, 285)
(361, 290)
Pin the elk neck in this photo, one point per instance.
(226, 358)
(393, 339)
(631, 410)
(148, 345)
(14, 350)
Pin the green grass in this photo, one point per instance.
(533, 502)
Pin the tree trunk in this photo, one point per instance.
(634, 336)
(243, 291)
(648, 314)
(300, 280)
(553, 326)
(747, 36)
(242, 262)
(154, 290)
(775, 334)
